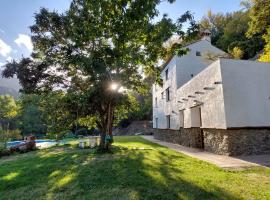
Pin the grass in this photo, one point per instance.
(137, 169)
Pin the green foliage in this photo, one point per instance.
(260, 18)
(8, 135)
(265, 57)
(260, 25)
(8, 108)
(229, 31)
(237, 53)
(55, 113)
(8, 111)
(143, 109)
(137, 170)
(234, 29)
(30, 116)
(95, 44)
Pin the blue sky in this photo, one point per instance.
(17, 15)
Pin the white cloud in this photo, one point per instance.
(2, 31)
(24, 40)
(5, 49)
(9, 59)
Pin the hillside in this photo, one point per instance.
(9, 86)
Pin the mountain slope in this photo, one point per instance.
(9, 86)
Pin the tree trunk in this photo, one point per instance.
(102, 140)
(109, 125)
(106, 129)
(102, 130)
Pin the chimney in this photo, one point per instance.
(206, 35)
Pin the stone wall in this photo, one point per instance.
(216, 141)
(230, 142)
(237, 141)
(190, 137)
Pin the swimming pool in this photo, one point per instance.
(39, 143)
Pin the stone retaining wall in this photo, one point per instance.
(225, 142)
(216, 141)
(190, 137)
(237, 141)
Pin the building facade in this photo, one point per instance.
(222, 106)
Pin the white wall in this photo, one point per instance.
(246, 93)
(165, 108)
(192, 64)
(212, 104)
(180, 70)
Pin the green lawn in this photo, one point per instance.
(137, 169)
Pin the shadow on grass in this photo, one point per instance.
(124, 174)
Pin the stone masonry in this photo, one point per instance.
(191, 137)
(237, 141)
(225, 142)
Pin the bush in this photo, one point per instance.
(4, 152)
(83, 131)
(10, 135)
(59, 135)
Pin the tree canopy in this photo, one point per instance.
(229, 32)
(94, 45)
(8, 110)
(260, 25)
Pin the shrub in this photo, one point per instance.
(4, 152)
(59, 135)
(6, 136)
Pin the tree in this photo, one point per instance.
(215, 23)
(265, 57)
(95, 49)
(237, 53)
(229, 32)
(60, 112)
(260, 18)
(8, 110)
(30, 116)
(246, 4)
(260, 25)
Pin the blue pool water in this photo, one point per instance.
(38, 142)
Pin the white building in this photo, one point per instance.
(222, 106)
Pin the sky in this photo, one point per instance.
(17, 15)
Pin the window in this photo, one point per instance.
(181, 118)
(168, 94)
(198, 53)
(156, 122)
(156, 101)
(166, 74)
(168, 118)
(162, 95)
